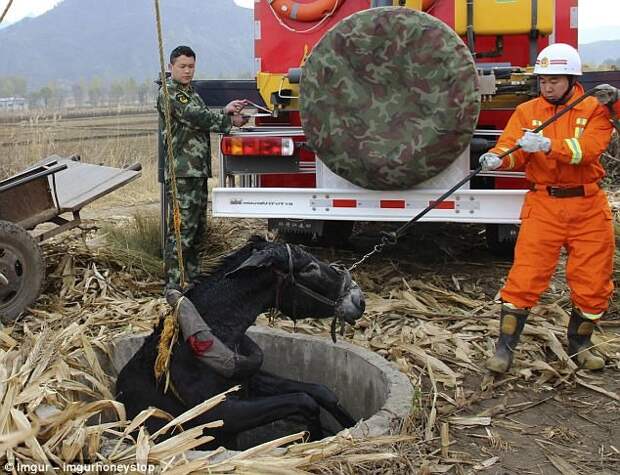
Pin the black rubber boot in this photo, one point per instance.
(579, 333)
(510, 328)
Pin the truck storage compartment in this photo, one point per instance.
(505, 17)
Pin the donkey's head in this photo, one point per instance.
(306, 286)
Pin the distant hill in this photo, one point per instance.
(596, 53)
(598, 33)
(114, 39)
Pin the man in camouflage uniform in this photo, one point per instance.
(191, 124)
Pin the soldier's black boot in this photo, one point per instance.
(579, 333)
(510, 328)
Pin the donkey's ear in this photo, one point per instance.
(258, 259)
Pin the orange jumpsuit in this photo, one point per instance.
(581, 224)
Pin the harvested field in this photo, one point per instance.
(430, 310)
(115, 140)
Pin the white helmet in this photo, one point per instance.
(558, 59)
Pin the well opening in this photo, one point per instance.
(370, 388)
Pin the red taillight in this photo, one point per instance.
(257, 146)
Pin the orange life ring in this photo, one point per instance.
(312, 11)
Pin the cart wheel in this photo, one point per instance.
(21, 270)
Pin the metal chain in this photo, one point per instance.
(6, 10)
(170, 154)
(376, 250)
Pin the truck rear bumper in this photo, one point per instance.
(465, 206)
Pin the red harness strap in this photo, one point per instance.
(199, 347)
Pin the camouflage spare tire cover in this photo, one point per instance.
(389, 98)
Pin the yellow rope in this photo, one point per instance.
(171, 162)
(167, 339)
(6, 10)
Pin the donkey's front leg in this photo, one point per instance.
(267, 384)
(243, 414)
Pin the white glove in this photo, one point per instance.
(489, 161)
(606, 94)
(531, 142)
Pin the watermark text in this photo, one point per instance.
(95, 467)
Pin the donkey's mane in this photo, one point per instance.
(227, 262)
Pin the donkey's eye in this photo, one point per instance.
(311, 269)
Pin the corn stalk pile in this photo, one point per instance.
(57, 406)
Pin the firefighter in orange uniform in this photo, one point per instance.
(565, 207)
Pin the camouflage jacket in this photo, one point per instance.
(192, 121)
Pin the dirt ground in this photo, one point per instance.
(546, 430)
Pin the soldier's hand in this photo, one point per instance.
(606, 94)
(239, 120)
(235, 107)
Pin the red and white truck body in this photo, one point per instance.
(265, 173)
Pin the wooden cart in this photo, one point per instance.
(52, 191)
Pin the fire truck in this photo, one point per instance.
(266, 172)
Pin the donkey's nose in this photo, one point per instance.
(352, 306)
(359, 302)
(357, 299)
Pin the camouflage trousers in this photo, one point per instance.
(192, 196)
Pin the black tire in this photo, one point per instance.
(336, 233)
(501, 239)
(21, 263)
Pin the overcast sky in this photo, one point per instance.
(24, 8)
(598, 19)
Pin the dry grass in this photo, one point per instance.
(137, 242)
